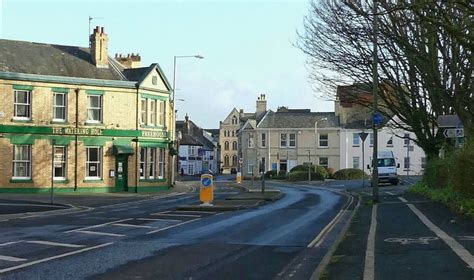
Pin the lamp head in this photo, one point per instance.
(199, 56)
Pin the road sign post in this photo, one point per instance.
(206, 193)
(363, 136)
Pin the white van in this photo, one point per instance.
(387, 168)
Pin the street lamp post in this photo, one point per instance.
(173, 116)
(316, 133)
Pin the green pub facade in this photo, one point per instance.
(78, 120)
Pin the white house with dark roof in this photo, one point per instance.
(197, 151)
(355, 118)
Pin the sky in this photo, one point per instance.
(248, 47)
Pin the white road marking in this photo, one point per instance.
(165, 228)
(4, 220)
(100, 225)
(176, 215)
(26, 217)
(55, 244)
(9, 243)
(462, 253)
(11, 259)
(134, 226)
(167, 220)
(402, 199)
(196, 211)
(33, 205)
(53, 258)
(101, 233)
(369, 268)
(390, 193)
(319, 238)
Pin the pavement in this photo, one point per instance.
(405, 236)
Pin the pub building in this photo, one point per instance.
(78, 120)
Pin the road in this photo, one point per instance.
(150, 239)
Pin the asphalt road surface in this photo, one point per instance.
(150, 239)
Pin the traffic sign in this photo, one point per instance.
(377, 118)
(363, 136)
(206, 182)
(206, 193)
(454, 133)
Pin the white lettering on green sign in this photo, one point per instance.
(77, 131)
(154, 134)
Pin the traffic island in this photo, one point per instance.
(237, 202)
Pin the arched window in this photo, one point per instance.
(226, 146)
(233, 133)
(234, 146)
(226, 160)
(234, 160)
(234, 120)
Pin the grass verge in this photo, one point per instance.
(453, 199)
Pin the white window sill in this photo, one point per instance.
(21, 119)
(323, 147)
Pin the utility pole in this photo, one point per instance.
(375, 172)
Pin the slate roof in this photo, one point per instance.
(187, 139)
(58, 60)
(195, 133)
(298, 119)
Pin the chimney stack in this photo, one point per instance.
(129, 61)
(99, 42)
(261, 104)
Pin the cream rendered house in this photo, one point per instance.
(289, 137)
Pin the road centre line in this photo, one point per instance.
(390, 193)
(101, 233)
(319, 238)
(462, 253)
(369, 267)
(53, 258)
(130, 225)
(100, 225)
(167, 220)
(165, 228)
(33, 205)
(11, 259)
(55, 244)
(176, 215)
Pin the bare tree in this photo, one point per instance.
(425, 66)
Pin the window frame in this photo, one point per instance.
(151, 163)
(251, 141)
(90, 108)
(64, 106)
(263, 140)
(62, 162)
(143, 111)
(290, 145)
(99, 163)
(326, 141)
(390, 142)
(161, 163)
(28, 105)
(356, 139)
(161, 108)
(327, 161)
(28, 162)
(356, 159)
(143, 163)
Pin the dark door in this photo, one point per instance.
(121, 177)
